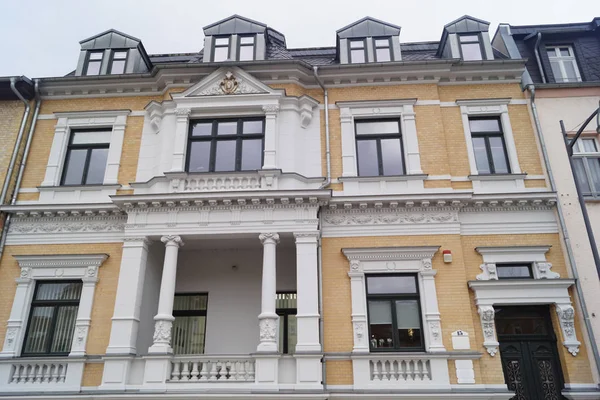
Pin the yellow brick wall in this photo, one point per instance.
(456, 301)
(11, 114)
(92, 374)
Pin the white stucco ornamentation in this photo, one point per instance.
(543, 271)
(268, 329)
(488, 326)
(566, 318)
(489, 272)
(162, 332)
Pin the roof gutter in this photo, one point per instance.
(15, 153)
(327, 143)
(537, 56)
(564, 231)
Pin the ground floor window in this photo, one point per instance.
(286, 309)
(189, 327)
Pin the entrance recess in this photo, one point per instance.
(528, 350)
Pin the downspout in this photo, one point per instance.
(563, 228)
(22, 165)
(319, 248)
(327, 145)
(15, 154)
(537, 56)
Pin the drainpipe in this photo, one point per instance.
(327, 146)
(22, 164)
(537, 56)
(565, 232)
(13, 158)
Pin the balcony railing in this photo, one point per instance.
(38, 372)
(212, 369)
(41, 374)
(400, 370)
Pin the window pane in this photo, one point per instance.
(551, 52)
(357, 44)
(383, 55)
(120, 55)
(286, 300)
(357, 56)
(377, 127)
(513, 271)
(481, 157)
(556, 71)
(564, 52)
(368, 164)
(581, 175)
(382, 42)
(409, 323)
(225, 158)
(188, 335)
(118, 67)
(202, 129)
(594, 166)
(192, 302)
(247, 40)
(227, 128)
(484, 125)
(251, 154)
(91, 137)
(391, 154)
(589, 145)
(63, 329)
(498, 155)
(471, 51)
(95, 173)
(570, 71)
(221, 54)
(246, 53)
(224, 41)
(93, 68)
(199, 157)
(252, 126)
(380, 322)
(38, 332)
(469, 38)
(96, 55)
(74, 167)
(58, 291)
(391, 284)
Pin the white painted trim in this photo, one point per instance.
(28, 190)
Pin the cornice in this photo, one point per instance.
(521, 284)
(484, 250)
(61, 261)
(390, 253)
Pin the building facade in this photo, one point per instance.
(371, 220)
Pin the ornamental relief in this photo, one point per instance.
(58, 225)
(375, 218)
(230, 84)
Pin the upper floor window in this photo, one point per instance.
(117, 63)
(488, 145)
(94, 62)
(514, 271)
(52, 318)
(221, 48)
(563, 63)
(226, 145)
(379, 147)
(358, 51)
(87, 154)
(189, 326)
(470, 47)
(383, 49)
(394, 313)
(286, 309)
(246, 48)
(586, 158)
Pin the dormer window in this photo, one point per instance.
(383, 49)
(470, 48)
(358, 51)
(563, 63)
(246, 48)
(94, 62)
(118, 60)
(221, 49)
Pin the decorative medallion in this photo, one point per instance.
(229, 84)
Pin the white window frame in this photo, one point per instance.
(546, 287)
(116, 120)
(52, 267)
(580, 153)
(561, 60)
(401, 109)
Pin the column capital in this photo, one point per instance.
(269, 238)
(306, 237)
(270, 110)
(172, 240)
(182, 112)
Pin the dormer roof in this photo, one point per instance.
(110, 39)
(464, 24)
(236, 24)
(368, 26)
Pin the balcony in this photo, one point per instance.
(40, 374)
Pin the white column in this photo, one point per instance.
(181, 133)
(57, 153)
(359, 307)
(307, 288)
(268, 319)
(130, 287)
(84, 312)
(164, 318)
(270, 152)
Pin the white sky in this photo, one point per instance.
(40, 38)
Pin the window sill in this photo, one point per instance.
(389, 178)
(67, 188)
(418, 355)
(496, 177)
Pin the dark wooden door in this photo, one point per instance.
(529, 354)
